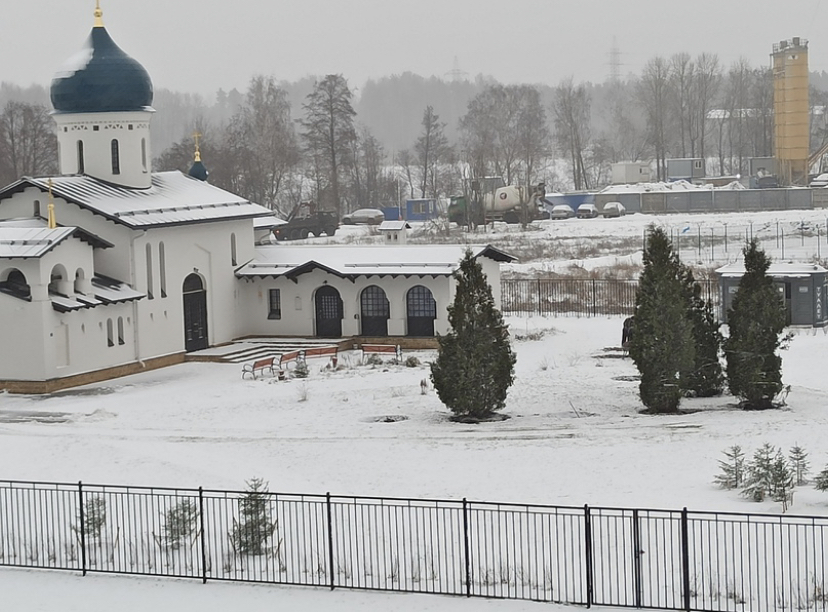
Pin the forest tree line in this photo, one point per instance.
(406, 136)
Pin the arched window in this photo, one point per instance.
(120, 330)
(81, 167)
(16, 284)
(149, 271)
(116, 157)
(144, 153)
(57, 277)
(36, 208)
(79, 278)
(109, 333)
(162, 269)
(233, 249)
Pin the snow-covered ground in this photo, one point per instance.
(574, 437)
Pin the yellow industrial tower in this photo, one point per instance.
(791, 126)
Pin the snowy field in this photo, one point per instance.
(574, 437)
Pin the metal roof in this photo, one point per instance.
(737, 269)
(105, 291)
(173, 199)
(31, 242)
(353, 261)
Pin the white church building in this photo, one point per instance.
(110, 268)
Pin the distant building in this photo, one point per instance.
(690, 169)
(626, 173)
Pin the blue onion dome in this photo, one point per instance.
(101, 78)
(198, 171)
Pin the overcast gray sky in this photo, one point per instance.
(199, 46)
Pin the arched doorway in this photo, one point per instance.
(328, 306)
(374, 312)
(421, 310)
(195, 314)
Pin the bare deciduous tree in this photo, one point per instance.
(571, 116)
(431, 149)
(28, 145)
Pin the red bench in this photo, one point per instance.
(376, 349)
(286, 358)
(322, 351)
(260, 366)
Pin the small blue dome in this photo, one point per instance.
(101, 78)
(198, 171)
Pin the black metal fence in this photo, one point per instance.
(578, 297)
(667, 559)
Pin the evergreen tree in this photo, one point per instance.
(799, 464)
(782, 481)
(179, 524)
(256, 526)
(756, 320)
(821, 481)
(662, 345)
(733, 469)
(759, 481)
(475, 363)
(705, 377)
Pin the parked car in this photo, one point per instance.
(613, 209)
(371, 216)
(561, 211)
(819, 181)
(586, 211)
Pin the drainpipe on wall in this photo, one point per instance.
(133, 281)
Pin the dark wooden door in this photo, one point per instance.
(375, 311)
(421, 311)
(328, 313)
(195, 314)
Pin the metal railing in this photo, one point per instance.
(644, 558)
(578, 297)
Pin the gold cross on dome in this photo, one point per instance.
(196, 136)
(98, 14)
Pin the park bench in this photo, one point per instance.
(377, 349)
(286, 359)
(260, 366)
(322, 351)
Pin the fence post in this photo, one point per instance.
(82, 528)
(466, 546)
(685, 559)
(203, 536)
(330, 538)
(588, 555)
(637, 557)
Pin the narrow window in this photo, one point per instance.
(149, 271)
(233, 249)
(162, 269)
(109, 334)
(120, 330)
(37, 208)
(116, 157)
(274, 304)
(144, 153)
(80, 157)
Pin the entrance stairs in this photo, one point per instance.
(251, 349)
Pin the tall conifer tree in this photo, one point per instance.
(475, 364)
(662, 345)
(705, 377)
(756, 320)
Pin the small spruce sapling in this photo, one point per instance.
(179, 523)
(799, 464)
(759, 479)
(821, 480)
(782, 481)
(94, 517)
(256, 526)
(733, 469)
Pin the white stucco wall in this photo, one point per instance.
(97, 131)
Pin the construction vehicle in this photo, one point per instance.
(490, 199)
(305, 220)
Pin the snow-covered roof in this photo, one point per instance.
(393, 226)
(30, 242)
(269, 222)
(173, 199)
(737, 270)
(105, 291)
(352, 261)
(671, 186)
